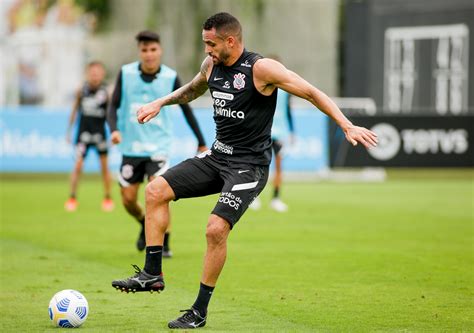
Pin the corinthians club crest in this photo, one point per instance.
(239, 81)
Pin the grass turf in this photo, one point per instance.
(353, 257)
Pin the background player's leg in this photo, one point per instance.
(130, 201)
(133, 207)
(107, 203)
(278, 174)
(71, 203)
(76, 174)
(276, 203)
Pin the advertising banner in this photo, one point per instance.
(32, 139)
(408, 142)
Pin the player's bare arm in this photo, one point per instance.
(72, 117)
(270, 74)
(187, 93)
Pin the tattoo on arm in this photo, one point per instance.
(204, 67)
(191, 90)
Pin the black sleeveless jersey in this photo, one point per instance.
(243, 116)
(92, 109)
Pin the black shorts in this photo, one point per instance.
(277, 145)
(134, 169)
(239, 184)
(86, 140)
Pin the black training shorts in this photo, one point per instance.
(86, 140)
(238, 183)
(134, 169)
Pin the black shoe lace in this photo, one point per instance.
(137, 270)
(189, 316)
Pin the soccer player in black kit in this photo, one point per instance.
(243, 87)
(90, 108)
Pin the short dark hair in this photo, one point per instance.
(224, 22)
(147, 36)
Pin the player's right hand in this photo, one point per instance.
(116, 137)
(355, 134)
(148, 111)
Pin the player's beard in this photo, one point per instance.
(220, 58)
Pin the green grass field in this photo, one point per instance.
(353, 257)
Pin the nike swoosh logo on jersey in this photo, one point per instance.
(218, 78)
(242, 171)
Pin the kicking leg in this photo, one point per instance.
(158, 195)
(166, 240)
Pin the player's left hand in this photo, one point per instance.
(355, 134)
(148, 112)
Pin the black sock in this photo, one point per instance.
(166, 246)
(153, 259)
(202, 301)
(276, 192)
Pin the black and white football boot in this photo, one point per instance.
(189, 320)
(141, 281)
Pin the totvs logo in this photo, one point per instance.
(418, 141)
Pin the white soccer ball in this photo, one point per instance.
(68, 308)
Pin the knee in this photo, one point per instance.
(217, 230)
(158, 191)
(105, 170)
(78, 166)
(128, 200)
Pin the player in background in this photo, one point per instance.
(243, 87)
(282, 129)
(90, 109)
(145, 149)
